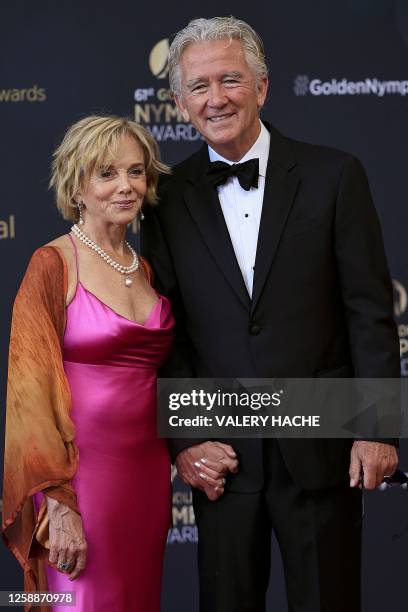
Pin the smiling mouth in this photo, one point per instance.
(125, 204)
(219, 118)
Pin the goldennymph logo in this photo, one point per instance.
(158, 59)
(303, 85)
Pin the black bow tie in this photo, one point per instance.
(247, 173)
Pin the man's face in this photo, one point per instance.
(220, 96)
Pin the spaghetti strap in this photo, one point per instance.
(76, 255)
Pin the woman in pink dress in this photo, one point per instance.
(99, 477)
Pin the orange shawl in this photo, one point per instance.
(40, 453)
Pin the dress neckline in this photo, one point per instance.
(91, 294)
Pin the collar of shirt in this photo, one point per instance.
(259, 149)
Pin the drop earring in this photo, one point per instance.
(136, 223)
(81, 219)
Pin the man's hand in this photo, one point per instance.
(375, 459)
(204, 466)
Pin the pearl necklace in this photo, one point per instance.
(76, 230)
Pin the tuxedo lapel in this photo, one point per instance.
(202, 201)
(280, 187)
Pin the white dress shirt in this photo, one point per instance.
(242, 209)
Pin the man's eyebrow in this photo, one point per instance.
(190, 84)
(231, 74)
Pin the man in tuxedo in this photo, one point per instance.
(271, 253)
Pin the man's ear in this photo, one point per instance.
(179, 102)
(262, 90)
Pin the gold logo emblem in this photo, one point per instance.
(158, 59)
(400, 298)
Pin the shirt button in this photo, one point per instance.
(246, 215)
(254, 330)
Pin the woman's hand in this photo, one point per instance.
(67, 540)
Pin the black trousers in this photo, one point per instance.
(319, 535)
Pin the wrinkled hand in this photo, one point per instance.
(376, 459)
(205, 466)
(67, 540)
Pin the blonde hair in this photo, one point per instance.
(91, 143)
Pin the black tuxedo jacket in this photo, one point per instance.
(322, 297)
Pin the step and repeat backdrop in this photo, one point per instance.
(338, 76)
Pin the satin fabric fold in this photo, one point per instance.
(123, 476)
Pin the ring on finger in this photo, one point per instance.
(64, 566)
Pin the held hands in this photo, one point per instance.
(204, 466)
(67, 540)
(375, 460)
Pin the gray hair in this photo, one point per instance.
(217, 28)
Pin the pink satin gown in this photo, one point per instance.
(123, 479)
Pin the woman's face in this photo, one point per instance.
(115, 193)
